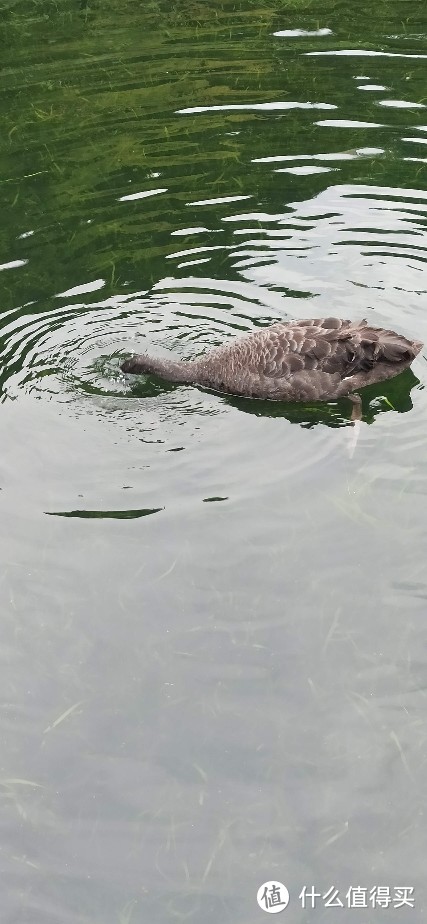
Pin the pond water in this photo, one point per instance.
(213, 657)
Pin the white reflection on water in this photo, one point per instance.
(302, 33)
(277, 105)
(362, 53)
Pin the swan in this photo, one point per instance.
(309, 360)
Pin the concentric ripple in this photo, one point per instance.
(342, 252)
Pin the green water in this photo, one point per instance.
(213, 656)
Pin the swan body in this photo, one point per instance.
(317, 359)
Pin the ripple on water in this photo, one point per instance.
(349, 250)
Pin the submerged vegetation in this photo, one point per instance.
(92, 110)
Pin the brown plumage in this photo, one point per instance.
(308, 360)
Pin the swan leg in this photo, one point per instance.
(356, 401)
(356, 417)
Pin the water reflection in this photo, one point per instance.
(104, 514)
(392, 395)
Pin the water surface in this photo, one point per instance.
(213, 659)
